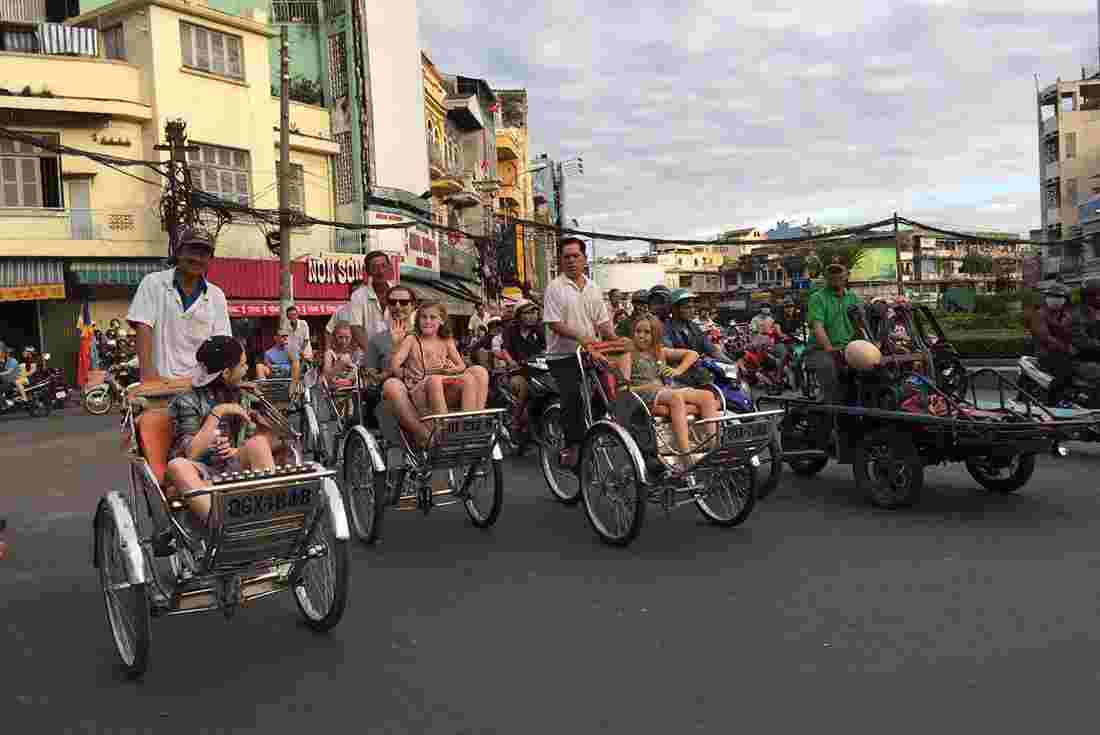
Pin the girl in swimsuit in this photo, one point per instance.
(431, 366)
(648, 374)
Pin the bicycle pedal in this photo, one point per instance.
(164, 544)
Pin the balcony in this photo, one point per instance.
(508, 148)
(294, 12)
(1050, 125)
(455, 261)
(1052, 170)
(334, 8)
(511, 198)
(22, 11)
(67, 79)
(81, 232)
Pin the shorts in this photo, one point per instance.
(207, 472)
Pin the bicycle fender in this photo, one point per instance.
(115, 504)
(337, 515)
(376, 460)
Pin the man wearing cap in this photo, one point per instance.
(176, 310)
(830, 329)
(659, 302)
(1054, 340)
(682, 332)
(575, 315)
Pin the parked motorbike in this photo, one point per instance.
(56, 388)
(99, 399)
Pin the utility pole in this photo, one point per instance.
(284, 176)
(897, 255)
(176, 208)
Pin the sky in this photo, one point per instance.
(700, 116)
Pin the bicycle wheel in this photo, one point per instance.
(563, 483)
(97, 401)
(481, 494)
(127, 604)
(364, 489)
(614, 496)
(771, 468)
(730, 498)
(321, 584)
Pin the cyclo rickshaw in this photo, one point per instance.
(380, 468)
(627, 458)
(270, 531)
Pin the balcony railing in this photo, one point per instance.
(23, 11)
(1050, 125)
(294, 12)
(438, 161)
(334, 8)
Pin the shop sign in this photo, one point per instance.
(260, 309)
(328, 270)
(421, 250)
(40, 292)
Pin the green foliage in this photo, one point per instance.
(303, 90)
(993, 345)
(847, 253)
(975, 264)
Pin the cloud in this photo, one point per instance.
(710, 114)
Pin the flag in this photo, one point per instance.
(86, 329)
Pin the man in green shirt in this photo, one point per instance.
(830, 329)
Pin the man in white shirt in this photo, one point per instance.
(176, 310)
(575, 313)
(366, 311)
(479, 319)
(299, 335)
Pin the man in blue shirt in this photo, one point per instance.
(9, 370)
(277, 360)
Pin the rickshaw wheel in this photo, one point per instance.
(614, 496)
(482, 503)
(771, 468)
(563, 484)
(888, 469)
(321, 584)
(364, 490)
(312, 438)
(731, 497)
(1006, 479)
(127, 604)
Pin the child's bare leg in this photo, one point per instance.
(471, 391)
(436, 397)
(707, 404)
(256, 453)
(183, 478)
(481, 376)
(677, 416)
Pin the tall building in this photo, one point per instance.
(108, 81)
(1069, 152)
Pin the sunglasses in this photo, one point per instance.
(400, 302)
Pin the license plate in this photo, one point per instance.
(62, 394)
(460, 427)
(264, 504)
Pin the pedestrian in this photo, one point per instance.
(299, 334)
(174, 311)
(575, 314)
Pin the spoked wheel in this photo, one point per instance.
(888, 469)
(771, 468)
(38, 405)
(953, 378)
(97, 401)
(312, 438)
(483, 491)
(562, 483)
(614, 496)
(1002, 476)
(364, 489)
(730, 497)
(321, 583)
(127, 604)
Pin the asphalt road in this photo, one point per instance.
(969, 612)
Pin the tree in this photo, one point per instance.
(975, 263)
(849, 254)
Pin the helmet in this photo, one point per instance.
(29, 349)
(766, 310)
(862, 355)
(640, 297)
(659, 290)
(788, 301)
(680, 294)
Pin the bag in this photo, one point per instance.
(696, 376)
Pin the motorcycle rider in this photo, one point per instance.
(9, 371)
(682, 332)
(659, 305)
(790, 321)
(1054, 340)
(640, 303)
(1086, 333)
(523, 340)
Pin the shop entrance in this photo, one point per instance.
(19, 325)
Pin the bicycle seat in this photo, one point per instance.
(154, 432)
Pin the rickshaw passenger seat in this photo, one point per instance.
(661, 412)
(154, 431)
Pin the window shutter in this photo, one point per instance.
(9, 178)
(202, 48)
(209, 155)
(240, 160)
(32, 192)
(243, 194)
(185, 44)
(212, 181)
(217, 53)
(225, 157)
(233, 65)
(227, 185)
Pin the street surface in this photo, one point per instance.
(969, 612)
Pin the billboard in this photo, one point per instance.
(878, 264)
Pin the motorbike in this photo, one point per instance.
(99, 399)
(541, 392)
(38, 401)
(1036, 382)
(56, 387)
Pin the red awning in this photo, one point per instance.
(246, 309)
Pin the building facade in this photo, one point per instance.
(1069, 152)
(79, 230)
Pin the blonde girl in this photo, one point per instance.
(429, 363)
(646, 369)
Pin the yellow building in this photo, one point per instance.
(79, 230)
(515, 197)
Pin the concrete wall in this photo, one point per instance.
(628, 277)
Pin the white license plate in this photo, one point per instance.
(62, 395)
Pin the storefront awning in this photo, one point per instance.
(257, 309)
(31, 279)
(114, 272)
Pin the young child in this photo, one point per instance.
(430, 365)
(646, 371)
(207, 421)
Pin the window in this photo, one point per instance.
(685, 281)
(338, 65)
(217, 53)
(345, 188)
(222, 171)
(29, 176)
(1071, 145)
(114, 43)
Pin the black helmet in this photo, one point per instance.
(640, 296)
(660, 291)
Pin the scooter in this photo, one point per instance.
(56, 387)
(1036, 382)
(99, 399)
(37, 403)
